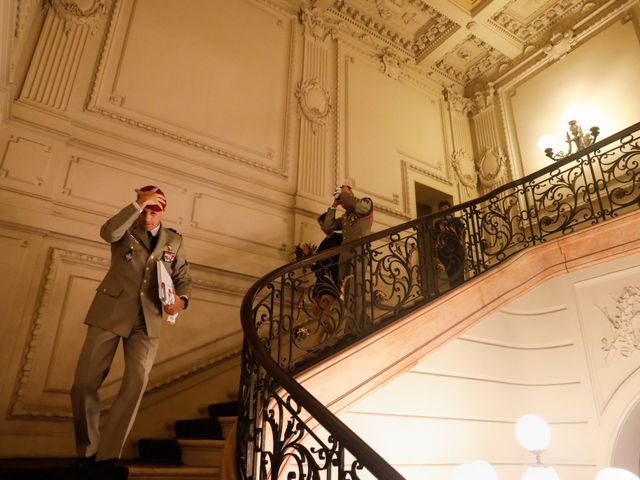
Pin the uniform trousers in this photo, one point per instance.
(93, 366)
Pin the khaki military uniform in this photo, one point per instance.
(354, 224)
(126, 307)
(356, 221)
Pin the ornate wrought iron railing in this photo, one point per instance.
(301, 313)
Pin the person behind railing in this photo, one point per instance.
(449, 242)
(354, 224)
(327, 285)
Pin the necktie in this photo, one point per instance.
(152, 240)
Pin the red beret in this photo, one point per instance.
(155, 208)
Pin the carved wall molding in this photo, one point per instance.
(22, 405)
(314, 101)
(411, 73)
(488, 60)
(456, 102)
(154, 387)
(492, 156)
(316, 26)
(624, 324)
(462, 163)
(407, 165)
(361, 20)
(56, 59)
(434, 35)
(483, 100)
(25, 161)
(436, 29)
(74, 14)
(391, 64)
(535, 27)
(559, 45)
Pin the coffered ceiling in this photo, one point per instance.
(472, 42)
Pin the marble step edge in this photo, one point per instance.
(172, 472)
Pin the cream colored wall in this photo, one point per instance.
(544, 354)
(600, 75)
(107, 105)
(246, 113)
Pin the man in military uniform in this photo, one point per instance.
(354, 224)
(357, 219)
(126, 307)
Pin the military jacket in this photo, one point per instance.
(131, 284)
(356, 221)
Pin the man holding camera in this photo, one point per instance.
(357, 219)
(354, 224)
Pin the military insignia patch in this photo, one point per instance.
(168, 256)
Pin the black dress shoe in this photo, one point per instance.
(104, 470)
(83, 464)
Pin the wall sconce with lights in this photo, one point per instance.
(576, 139)
(534, 434)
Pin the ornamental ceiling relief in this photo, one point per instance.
(473, 47)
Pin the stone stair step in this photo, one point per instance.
(165, 451)
(227, 423)
(207, 428)
(167, 472)
(202, 453)
(224, 409)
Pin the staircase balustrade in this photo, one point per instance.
(305, 311)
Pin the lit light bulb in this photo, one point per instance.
(547, 141)
(478, 470)
(540, 472)
(533, 433)
(585, 115)
(615, 474)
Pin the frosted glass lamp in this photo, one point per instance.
(615, 474)
(533, 433)
(478, 470)
(548, 141)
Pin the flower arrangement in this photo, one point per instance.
(304, 250)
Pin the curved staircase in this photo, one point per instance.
(194, 451)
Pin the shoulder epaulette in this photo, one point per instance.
(175, 231)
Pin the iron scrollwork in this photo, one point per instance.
(300, 314)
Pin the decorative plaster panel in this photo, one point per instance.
(528, 19)
(469, 60)
(13, 286)
(56, 59)
(78, 12)
(241, 220)
(608, 308)
(107, 185)
(376, 135)
(414, 26)
(197, 341)
(25, 161)
(54, 345)
(235, 103)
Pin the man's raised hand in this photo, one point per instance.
(150, 197)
